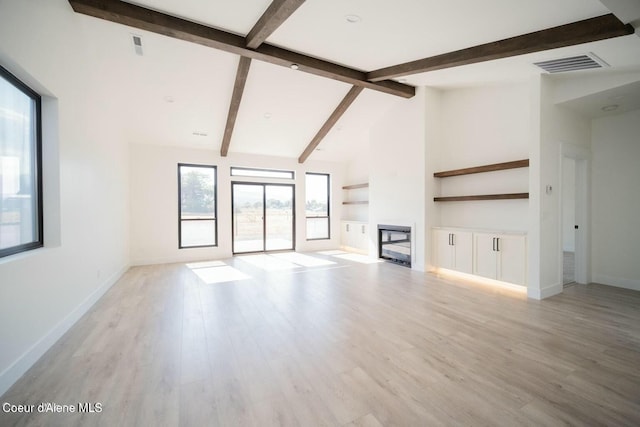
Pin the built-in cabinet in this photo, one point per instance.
(500, 256)
(453, 249)
(494, 255)
(354, 236)
(354, 232)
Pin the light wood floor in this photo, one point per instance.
(348, 344)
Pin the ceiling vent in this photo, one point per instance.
(572, 63)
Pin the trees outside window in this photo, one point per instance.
(197, 226)
(317, 206)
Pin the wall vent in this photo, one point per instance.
(572, 63)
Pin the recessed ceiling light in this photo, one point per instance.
(267, 115)
(200, 133)
(352, 19)
(611, 107)
(169, 99)
(294, 66)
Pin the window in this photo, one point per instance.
(20, 166)
(317, 206)
(261, 173)
(197, 226)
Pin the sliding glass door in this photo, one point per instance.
(248, 218)
(263, 217)
(279, 217)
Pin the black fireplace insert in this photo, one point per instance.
(394, 244)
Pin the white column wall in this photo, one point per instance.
(86, 186)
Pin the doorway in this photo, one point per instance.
(263, 217)
(569, 222)
(575, 214)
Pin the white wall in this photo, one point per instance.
(616, 200)
(558, 126)
(397, 173)
(43, 292)
(154, 201)
(485, 125)
(432, 162)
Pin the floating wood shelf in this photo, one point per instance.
(354, 186)
(486, 168)
(482, 197)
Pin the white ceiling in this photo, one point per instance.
(199, 80)
(607, 102)
(404, 30)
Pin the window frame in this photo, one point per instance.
(328, 216)
(242, 168)
(215, 209)
(38, 217)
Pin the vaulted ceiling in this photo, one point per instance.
(190, 94)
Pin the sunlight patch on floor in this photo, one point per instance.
(268, 262)
(203, 264)
(211, 275)
(211, 272)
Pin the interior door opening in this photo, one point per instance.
(575, 225)
(569, 223)
(263, 217)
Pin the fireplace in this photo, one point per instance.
(394, 244)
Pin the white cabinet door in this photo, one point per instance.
(344, 233)
(443, 249)
(355, 235)
(453, 250)
(484, 259)
(363, 237)
(512, 258)
(463, 251)
(501, 256)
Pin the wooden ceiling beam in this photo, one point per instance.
(277, 12)
(171, 26)
(236, 98)
(326, 127)
(586, 31)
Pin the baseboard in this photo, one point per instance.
(177, 259)
(620, 282)
(545, 292)
(18, 368)
(169, 260)
(154, 261)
